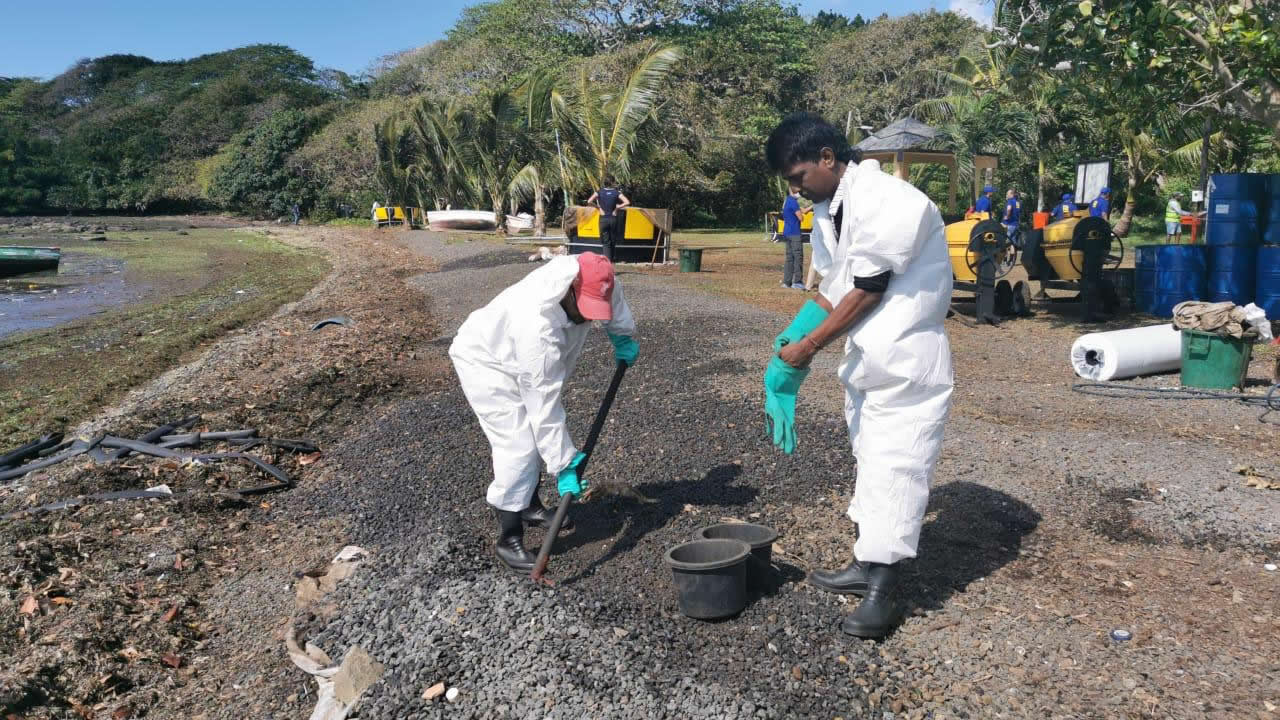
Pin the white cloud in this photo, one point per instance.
(979, 10)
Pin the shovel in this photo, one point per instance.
(593, 434)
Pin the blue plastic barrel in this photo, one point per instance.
(1267, 295)
(1144, 276)
(1234, 206)
(1233, 273)
(1271, 226)
(1167, 275)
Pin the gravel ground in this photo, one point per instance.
(1047, 528)
(1056, 518)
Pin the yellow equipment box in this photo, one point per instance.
(388, 216)
(637, 225)
(806, 222)
(588, 222)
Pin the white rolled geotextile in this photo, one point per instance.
(1125, 353)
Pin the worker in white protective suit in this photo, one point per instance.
(879, 244)
(513, 357)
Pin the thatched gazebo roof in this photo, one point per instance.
(905, 134)
(908, 141)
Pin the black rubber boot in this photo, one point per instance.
(852, 580)
(537, 515)
(879, 610)
(510, 547)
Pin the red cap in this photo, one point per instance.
(594, 286)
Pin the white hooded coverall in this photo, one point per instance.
(513, 357)
(897, 361)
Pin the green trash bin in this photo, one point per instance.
(690, 259)
(1214, 362)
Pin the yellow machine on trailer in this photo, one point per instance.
(1073, 254)
(981, 255)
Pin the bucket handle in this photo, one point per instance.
(1198, 344)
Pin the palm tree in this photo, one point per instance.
(497, 145)
(986, 70)
(392, 174)
(439, 171)
(546, 169)
(1172, 147)
(605, 129)
(517, 143)
(969, 125)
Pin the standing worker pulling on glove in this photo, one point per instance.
(886, 288)
(512, 357)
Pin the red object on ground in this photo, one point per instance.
(1194, 222)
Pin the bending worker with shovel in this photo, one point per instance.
(880, 246)
(512, 357)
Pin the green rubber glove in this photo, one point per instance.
(625, 348)
(809, 318)
(781, 382)
(568, 481)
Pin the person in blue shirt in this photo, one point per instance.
(1065, 208)
(1012, 214)
(793, 267)
(613, 215)
(1101, 205)
(984, 203)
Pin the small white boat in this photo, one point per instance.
(522, 222)
(462, 220)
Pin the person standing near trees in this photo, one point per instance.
(1101, 205)
(984, 203)
(1173, 214)
(793, 266)
(610, 201)
(1012, 214)
(1066, 208)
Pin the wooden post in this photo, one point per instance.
(1204, 163)
(952, 165)
(900, 165)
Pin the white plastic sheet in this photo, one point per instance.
(1122, 354)
(1257, 319)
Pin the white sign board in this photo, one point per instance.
(1197, 196)
(1090, 178)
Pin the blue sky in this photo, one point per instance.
(43, 40)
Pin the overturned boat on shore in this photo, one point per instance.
(462, 220)
(522, 222)
(20, 259)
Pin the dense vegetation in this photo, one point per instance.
(529, 103)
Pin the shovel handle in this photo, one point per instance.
(544, 553)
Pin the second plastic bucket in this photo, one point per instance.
(710, 577)
(690, 259)
(759, 537)
(1214, 362)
